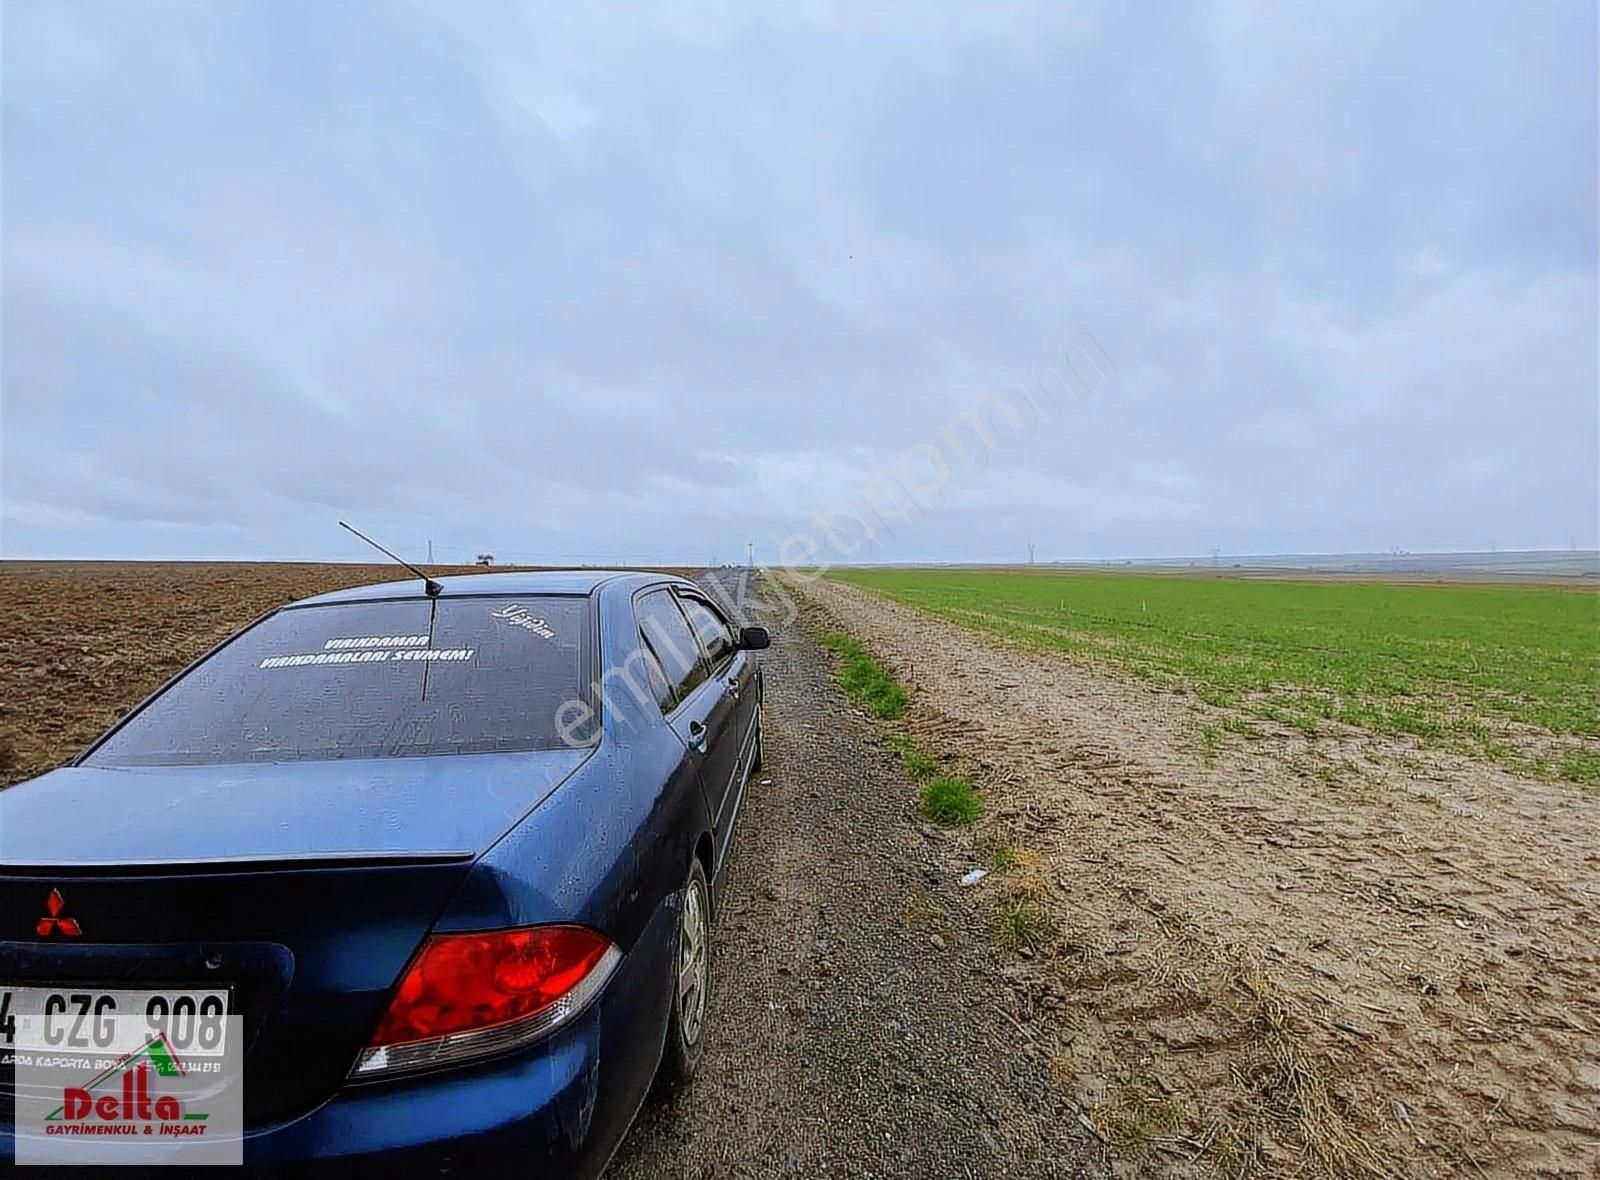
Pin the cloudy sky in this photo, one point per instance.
(593, 283)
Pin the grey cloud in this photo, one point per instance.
(601, 283)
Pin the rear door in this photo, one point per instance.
(700, 707)
(736, 669)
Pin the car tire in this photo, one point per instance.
(689, 982)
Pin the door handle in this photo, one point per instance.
(697, 736)
(733, 686)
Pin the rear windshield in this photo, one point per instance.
(371, 680)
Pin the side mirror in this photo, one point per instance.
(754, 638)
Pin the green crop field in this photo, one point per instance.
(1506, 672)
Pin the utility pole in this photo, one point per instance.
(1030, 552)
(430, 552)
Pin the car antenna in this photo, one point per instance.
(429, 587)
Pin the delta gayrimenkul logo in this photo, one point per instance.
(121, 1100)
(135, 1089)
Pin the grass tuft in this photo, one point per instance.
(1003, 857)
(951, 799)
(918, 766)
(1136, 1115)
(1020, 923)
(863, 678)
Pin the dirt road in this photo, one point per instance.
(843, 1040)
(1340, 955)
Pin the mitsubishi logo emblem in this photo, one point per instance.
(53, 921)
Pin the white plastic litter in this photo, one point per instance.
(973, 878)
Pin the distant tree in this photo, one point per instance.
(486, 559)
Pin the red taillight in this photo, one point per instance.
(463, 983)
(468, 996)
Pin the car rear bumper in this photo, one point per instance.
(563, 1105)
(557, 1106)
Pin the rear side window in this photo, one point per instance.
(667, 633)
(371, 680)
(711, 628)
(659, 688)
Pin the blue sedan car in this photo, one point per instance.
(449, 852)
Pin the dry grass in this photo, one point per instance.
(1294, 1088)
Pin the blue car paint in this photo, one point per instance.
(565, 1106)
(456, 803)
(602, 836)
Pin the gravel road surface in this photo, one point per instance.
(843, 1039)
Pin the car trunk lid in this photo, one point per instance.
(303, 888)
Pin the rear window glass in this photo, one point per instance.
(371, 680)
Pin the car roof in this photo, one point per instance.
(514, 582)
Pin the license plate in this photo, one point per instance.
(72, 1017)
